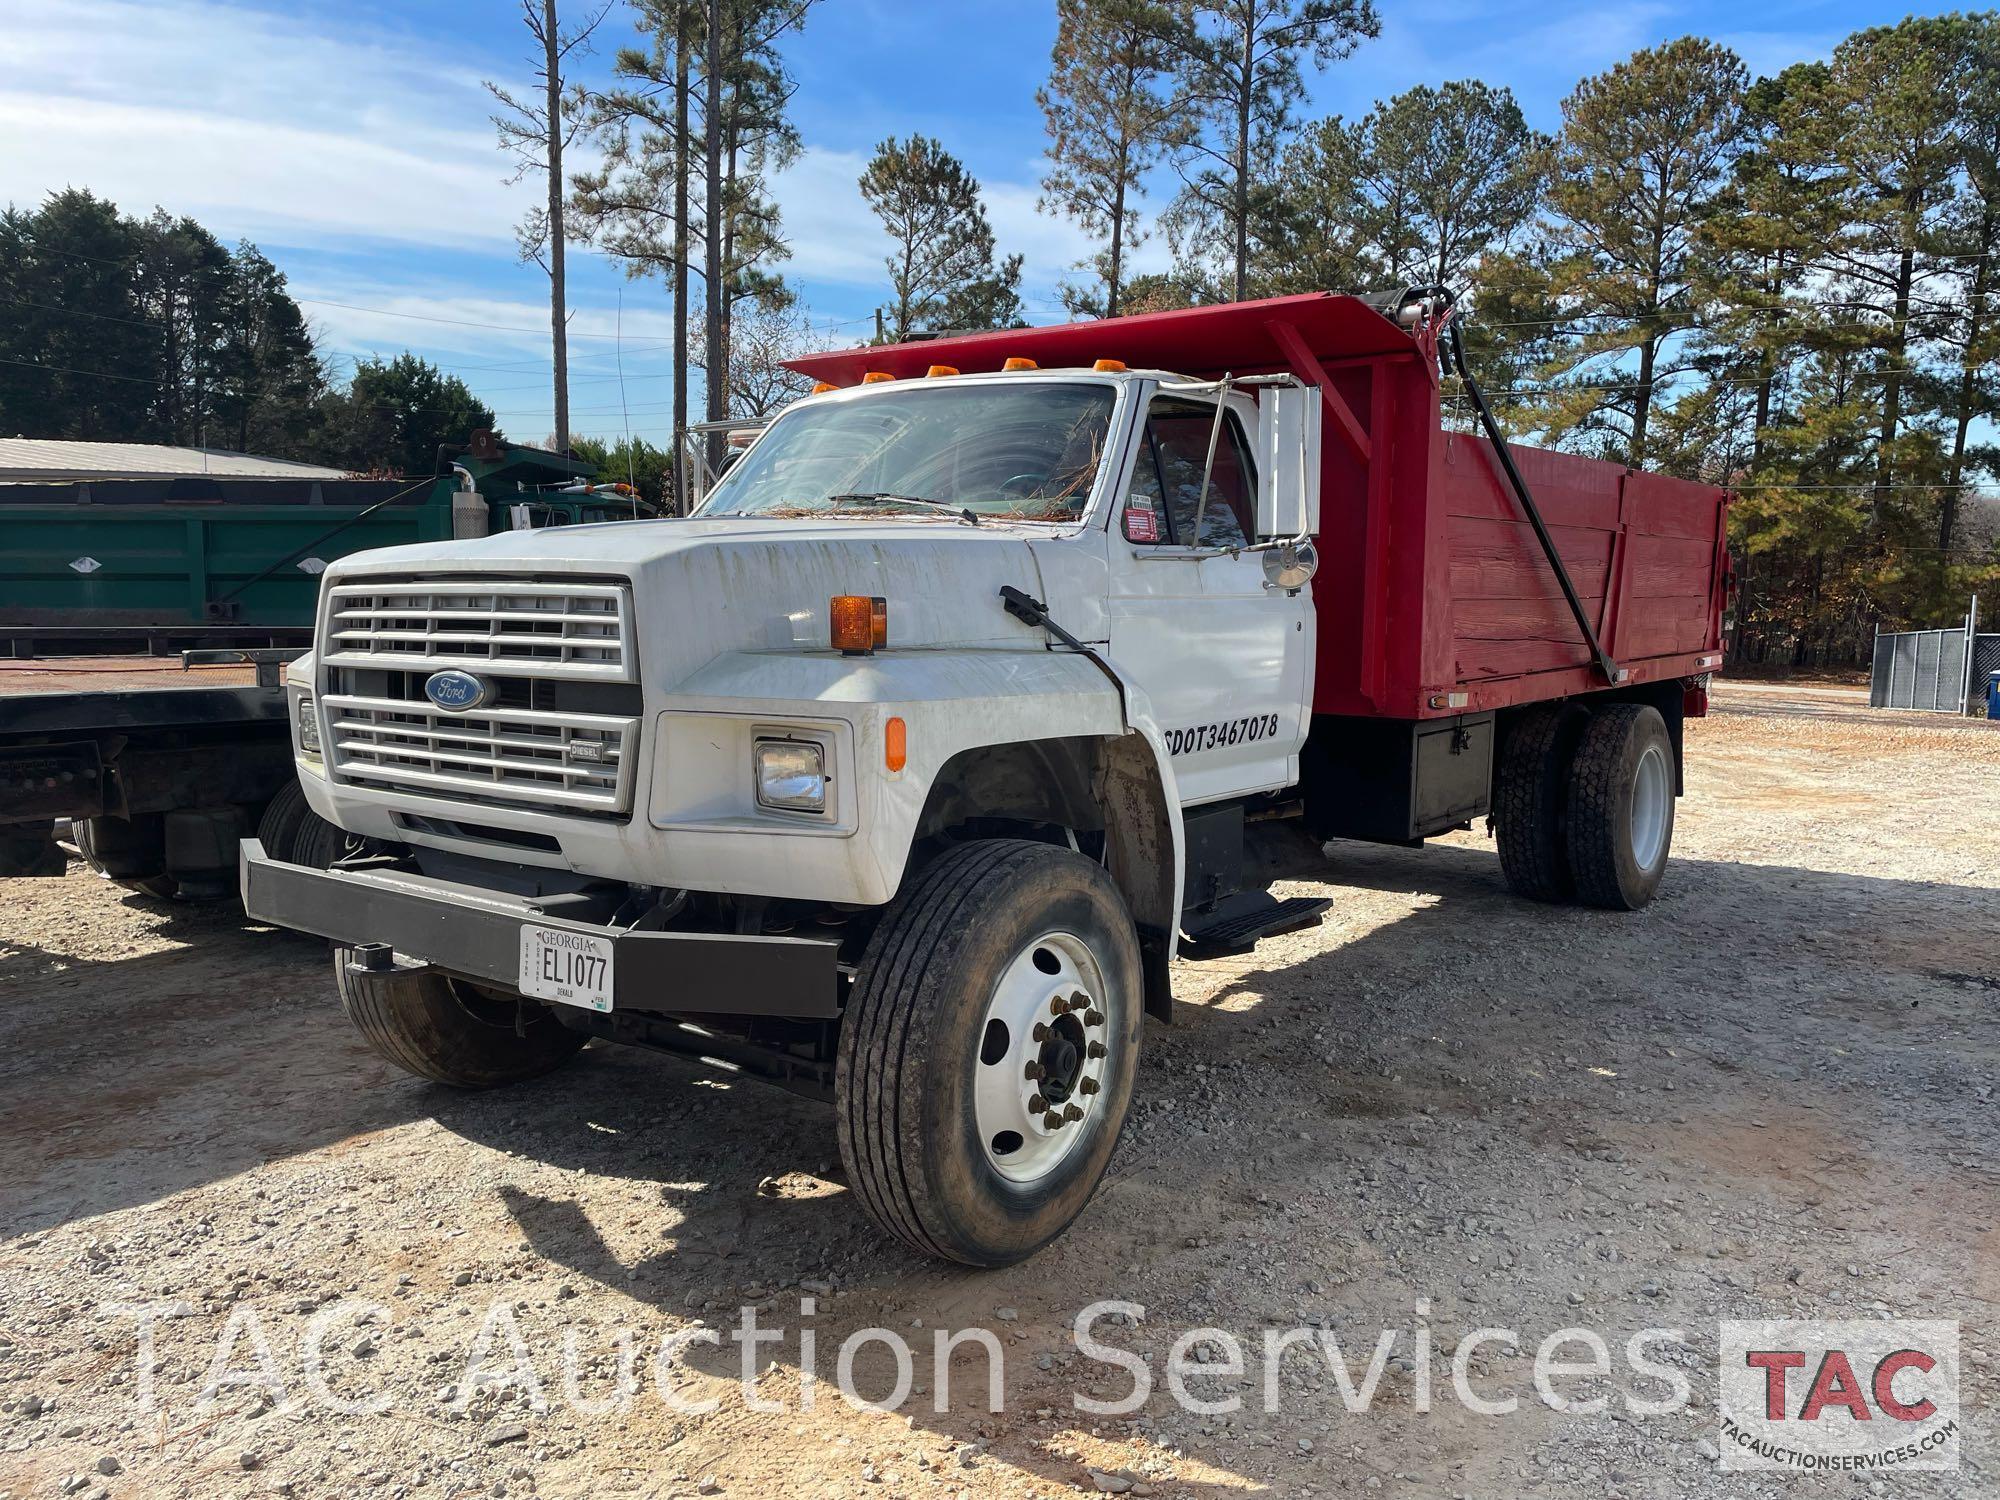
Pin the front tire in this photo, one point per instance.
(1621, 807)
(988, 1050)
(450, 1031)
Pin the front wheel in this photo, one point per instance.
(988, 1051)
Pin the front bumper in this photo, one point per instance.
(470, 931)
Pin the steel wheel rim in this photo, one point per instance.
(1041, 1057)
(1652, 797)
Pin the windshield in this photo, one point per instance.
(1026, 453)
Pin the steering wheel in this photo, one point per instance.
(1029, 484)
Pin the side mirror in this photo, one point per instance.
(1288, 429)
(1291, 566)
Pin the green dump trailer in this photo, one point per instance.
(143, 628)
(160, 564)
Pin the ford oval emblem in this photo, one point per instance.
(457, 691)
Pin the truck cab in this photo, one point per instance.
(897, 773)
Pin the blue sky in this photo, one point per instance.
(351, 142)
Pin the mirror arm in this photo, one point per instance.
(1208, 464)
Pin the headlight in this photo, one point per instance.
(308, 727)
(791, 775)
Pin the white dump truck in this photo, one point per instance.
(900, 772)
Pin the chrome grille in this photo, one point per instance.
(531, 629)
(489, 755)
(524, 748)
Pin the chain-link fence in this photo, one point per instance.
(1933, 671)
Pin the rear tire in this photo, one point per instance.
(952, 1038)
(128, 851)
(451, 1031)
(1621, 807)
(1530, 802)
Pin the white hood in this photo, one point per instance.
(702, 587)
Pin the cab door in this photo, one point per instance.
(1211, 631)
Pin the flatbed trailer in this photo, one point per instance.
(143, 626)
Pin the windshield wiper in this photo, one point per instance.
(886, 499)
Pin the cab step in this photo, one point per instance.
(1238, 921)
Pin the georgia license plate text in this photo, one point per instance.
(571, 968)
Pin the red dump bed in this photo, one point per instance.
(1433, 595)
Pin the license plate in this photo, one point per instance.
(571, 968)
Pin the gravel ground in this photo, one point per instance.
(1769, 1095)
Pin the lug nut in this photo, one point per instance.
(1053, 1120)
(1058, 1004)
(1041, 1032)
(1036, 1104)
(1094, 1049)
(1093, 1018)
(1072, 1112)
(1034, 1071)
(1087, 1086)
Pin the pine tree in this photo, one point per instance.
(1417, 193)
(1240, 64)
(942, 263)
(536, 130)
(636, 204)
(689, 134)
(1972, 396)
(1109, 118)
(87, 355)
(1895, 107)
(395, 415)
(1763, 247)
(268, 378)
(1636, 169)
(182, 279)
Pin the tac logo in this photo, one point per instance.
(1850, 1397)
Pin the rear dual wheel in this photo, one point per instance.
(988, 1050)
(1583, 804)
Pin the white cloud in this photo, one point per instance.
(276, 128)
(253, 122)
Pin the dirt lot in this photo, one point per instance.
(1769, 1095)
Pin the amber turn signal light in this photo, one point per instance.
(860, 623)
(895, 744)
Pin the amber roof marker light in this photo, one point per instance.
(1019, 362)
(858, 623)
(1109, 366)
